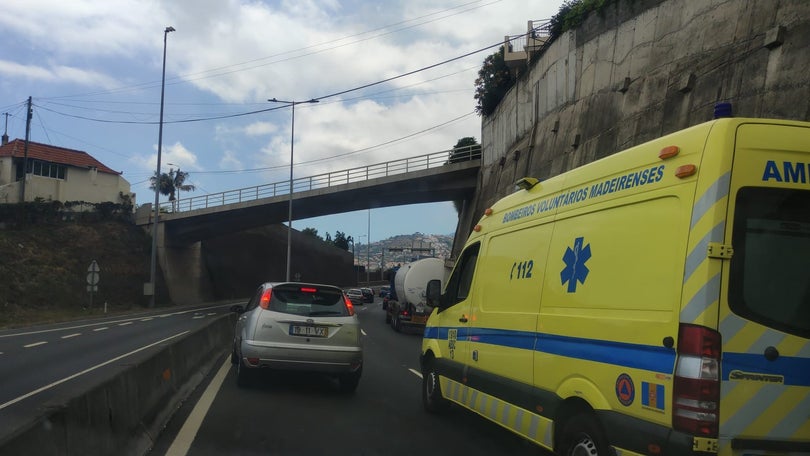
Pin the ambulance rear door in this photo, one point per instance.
(764, 316)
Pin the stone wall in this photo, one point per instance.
(639, 70)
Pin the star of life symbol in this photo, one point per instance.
(575, 269)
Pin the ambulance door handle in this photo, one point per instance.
(463, 319)
(771, 353)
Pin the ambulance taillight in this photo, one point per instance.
(696, 389)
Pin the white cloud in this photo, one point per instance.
(260, 129)
(229, 56)
(59, 74)
(229, 161)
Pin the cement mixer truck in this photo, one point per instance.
(406, 306)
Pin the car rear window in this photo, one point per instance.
(770, 280)
(309, 301)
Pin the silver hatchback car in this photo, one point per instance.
(298, 327)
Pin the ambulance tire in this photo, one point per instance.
(582, 436)
(432, 399)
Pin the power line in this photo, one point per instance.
(230, 116)
(187, 78)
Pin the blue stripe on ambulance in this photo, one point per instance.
(655, 359)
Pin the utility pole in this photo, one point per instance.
(5, 132)
(25, 149)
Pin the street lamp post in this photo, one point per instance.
(153, 269)
(289, 205)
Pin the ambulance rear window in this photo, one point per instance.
(770, 277)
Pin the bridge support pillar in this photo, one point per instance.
(184, 270)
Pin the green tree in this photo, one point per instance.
(171, 184)
(494, 80)
(164, 184)
(341, 240)
(465, 149)
(312, 232)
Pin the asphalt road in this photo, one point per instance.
(43, 366)
(306, 415)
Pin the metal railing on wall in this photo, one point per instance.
(326, 180)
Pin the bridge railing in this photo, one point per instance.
(326, 180)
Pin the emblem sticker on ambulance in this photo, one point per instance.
(575, 269)
(625, 390)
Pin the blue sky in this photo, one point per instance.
(93, 70)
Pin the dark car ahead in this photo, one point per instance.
(368, 294)
(356, 296)
(298, 327)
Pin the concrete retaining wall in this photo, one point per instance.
(125, 414)
(638, 70)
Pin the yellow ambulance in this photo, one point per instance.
(653, 302)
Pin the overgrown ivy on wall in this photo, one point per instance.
(42, 211)
(495, 79)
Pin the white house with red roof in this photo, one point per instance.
(57, 174)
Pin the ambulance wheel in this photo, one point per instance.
(432, 399)
(582, 436)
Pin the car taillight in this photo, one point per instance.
(349, 305)
(264, 302)
(696, 389)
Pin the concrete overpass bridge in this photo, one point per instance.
(449, 175)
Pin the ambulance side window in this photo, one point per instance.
(770, 281)
(460, 283)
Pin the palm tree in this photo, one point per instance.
(171, 184)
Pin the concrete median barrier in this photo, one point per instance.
(123, 415)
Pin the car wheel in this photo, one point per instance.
(387, 317)
(234, 356)
(395, 323)
(347, 383)
(432, 399)
(582, 436)
(243, 374)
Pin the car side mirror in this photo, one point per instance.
(433, 294)
(237, 308)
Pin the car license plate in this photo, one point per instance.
(310, 331)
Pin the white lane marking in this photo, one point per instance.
(197, 317)
(133, 318)
(104, 328)
(71, 335)
(125, 323)
(182, 443)
(89, 369)
(416, 372)
(34, 344)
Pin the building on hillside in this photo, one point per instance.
(57, 174)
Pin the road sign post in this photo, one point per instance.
(92, 280)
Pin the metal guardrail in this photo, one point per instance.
(326, 180)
